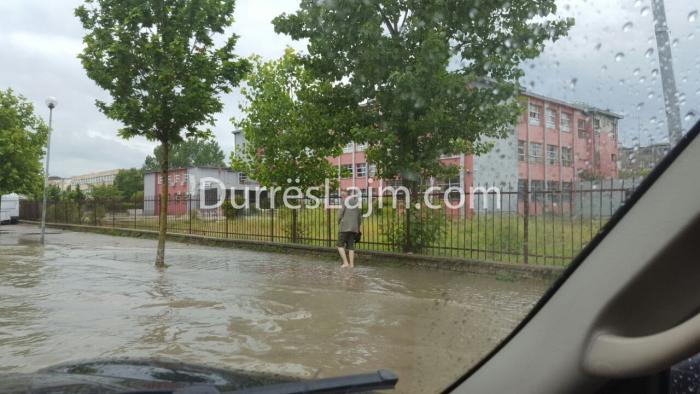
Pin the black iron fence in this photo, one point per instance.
(532, 226)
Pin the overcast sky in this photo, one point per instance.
(39, 41)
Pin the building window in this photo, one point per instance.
(522, 184)
(596, 125)
(582, 132)
(170, 179)
(372, 170)
(160, 179)
(536, 153)
(550, 118)
(613, 157)
(554, 193)
(242, 178)
(184, 179)
(177, 179)
(346, 171)
(534, 114)
(348, 148)
(567, 157)
(361, 170)
(536, 189)
(552, 155)
(565, 122)
(522, 150)
(361, 147)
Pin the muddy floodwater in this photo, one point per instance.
(88, 296)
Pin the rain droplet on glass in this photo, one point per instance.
(693, 16)
(573, 83)
(619, 56)
(627, 26)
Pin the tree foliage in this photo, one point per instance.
(162, 65)
(292, 123)
(129, 181)
(22, 140)
(192, 152)
(430, 77)
(104, 193)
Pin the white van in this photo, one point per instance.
(9, 209)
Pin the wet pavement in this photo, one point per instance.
(88, 296)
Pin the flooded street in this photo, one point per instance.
(93, 296)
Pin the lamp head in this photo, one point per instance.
(51, 102)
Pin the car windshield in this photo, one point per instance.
(306, 189)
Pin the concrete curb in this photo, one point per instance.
(505, 271)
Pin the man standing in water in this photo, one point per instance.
(349, 221)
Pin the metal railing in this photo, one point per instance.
(547, 227)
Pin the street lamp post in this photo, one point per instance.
(51, 102)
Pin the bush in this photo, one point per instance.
(425, 230)
(231, 212)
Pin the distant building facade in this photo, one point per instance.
(553, 146)
(642, 158)
(184, 184)
(61, 183)
(86, 181)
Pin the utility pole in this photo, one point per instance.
(51, 102)
(668, 79)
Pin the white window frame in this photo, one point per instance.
(550, 118)
(552, 155)
(536, 153)
(567, 160)
(565, 122)
(534, 117)
(361, 170)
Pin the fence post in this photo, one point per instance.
(65, 211)
(407, 214)
(189, 213)
(526, 222)
(272, 224)
(114, 205)
(294, 226)
(329, 234)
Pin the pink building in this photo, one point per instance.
(184, 186)
(554, 146)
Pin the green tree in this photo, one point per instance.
(191, 152)
(288, 126)
(22, 140)
(105, 193)
(160, 62)
(129, 181)
(430, 77)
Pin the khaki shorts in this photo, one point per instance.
(346, 240)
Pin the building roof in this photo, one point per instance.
(579, 106)
(191, 168)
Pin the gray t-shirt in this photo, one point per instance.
(350, 219)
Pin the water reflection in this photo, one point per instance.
(86, 296)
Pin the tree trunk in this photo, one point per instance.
(163, 222)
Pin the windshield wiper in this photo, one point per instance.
(380, 380)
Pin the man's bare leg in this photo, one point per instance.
(343, 257)
(352, 257)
